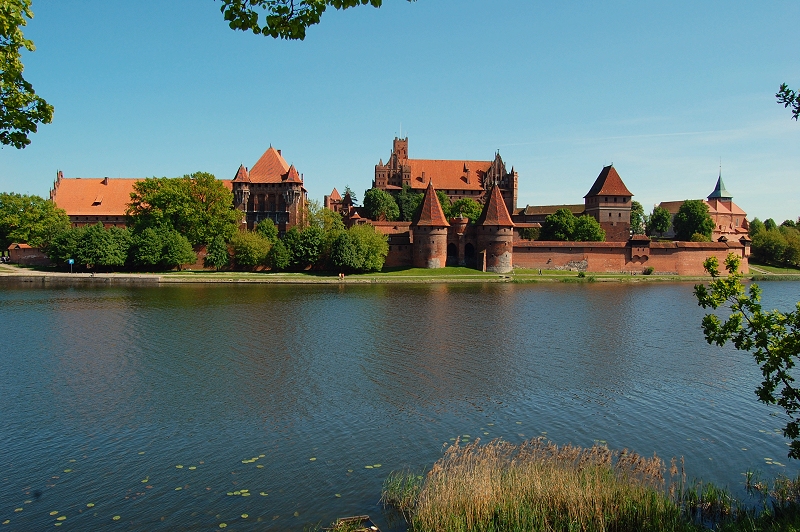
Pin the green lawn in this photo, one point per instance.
(775, 269)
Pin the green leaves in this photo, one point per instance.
(29, 219)
(693, 218)
(772, 337)
(20, 108)
(563, 225)
(285, 19)
(789, 98)
(380, 205)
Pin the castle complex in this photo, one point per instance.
(273, 189)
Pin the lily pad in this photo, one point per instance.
(245, 516)
(337, 495)
(6, 521)
(61, 518)
(367, 467)
(68, 471)
(179, 466)
(263, 494)
(260, 466)
(179, 488)
(17, 509)
(141, 452)
(261, 455)
(376, 465)
(223, 525)
(192, 467)
(116, 518)
(54, 512)
(312, 459)
(90, 505)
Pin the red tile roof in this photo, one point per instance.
(608, 183)
(292, 175)
(495, 211)
(431, 213)
(270, 168)
(448, 175)
(93, 196)
(242, 174)
(335, 196)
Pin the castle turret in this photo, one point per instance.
(430, 233)
(609, 201)
(495, 235)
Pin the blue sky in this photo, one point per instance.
(661, 89)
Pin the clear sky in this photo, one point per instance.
(661, 89)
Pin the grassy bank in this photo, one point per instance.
(539, 486)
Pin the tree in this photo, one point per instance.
(217, 255)
(268, 230)
(359, 249)
(64, 245)
(310, 246)
(101, 247)
(380, 205)
(772, 337)
(20, 108)
(692, 218)
(177, 250)
(29, 219)
(637, 218)
(587, 229)
(444, 201)
(789, 98)
(659, 221)
(558, 226)
(770, 224)
(285, 19)
(279, 258)
(353, 197)
(466, 207)
(250, 249)
(768, 246)
(756, 226)
(409, 203)
(198, 206)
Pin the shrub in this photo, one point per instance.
(649, 270)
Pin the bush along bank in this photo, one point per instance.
(540, 486)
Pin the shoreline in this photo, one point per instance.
(14, 274)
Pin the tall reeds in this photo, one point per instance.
(538, 485)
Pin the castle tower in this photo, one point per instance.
(720, 193)
(241, 194)
(609, 201)
(429, 229)
(495, 235)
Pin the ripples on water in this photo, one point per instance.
(119, 386)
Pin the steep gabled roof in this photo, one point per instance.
(270, 168)
(431, 213)
(292, 176)
(448, 175)
(495, 211)
(608, 183)
(242, 175)
(335, 196)
(719, 191)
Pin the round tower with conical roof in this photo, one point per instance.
(495, 235)
(429, 229)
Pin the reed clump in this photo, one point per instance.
(539, 486)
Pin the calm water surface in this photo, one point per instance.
(151, 403)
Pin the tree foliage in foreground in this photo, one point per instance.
(637, 218)
(284, 19)
(29, 219)
(789, 98)
(20, 108)
(658, 221)
(380, 205)
(773, 338)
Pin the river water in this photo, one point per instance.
(155, 408)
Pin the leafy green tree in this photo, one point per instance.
(177, 250)
(353, 197)
(658, 222)
(466, 207)
(250, 249)
(409, 203)
(292, 242)
(64, 245)
(104, 248)
(284, 19)
(791, 256)
(637, 218)
(789, 98)
(310, 246)
(268, 230)
(697, 237)
(217, 255)
(769, 246)
(359, 249)
(530, 233)
(558, 226)
(587, 229)
(788, 223)
(380, 205)
(198, 206)
(769, 224)
(29, 219)
(773, 338)
(20, 108)
(147, 248)
(444, 201)
(692, 217)
(279, 258)
(344, 253)
(756, 226)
